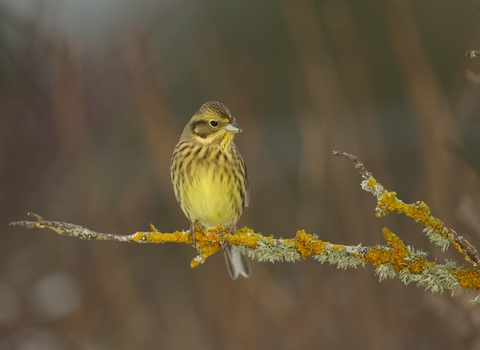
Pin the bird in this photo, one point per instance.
(209, 176)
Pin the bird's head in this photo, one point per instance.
(212, 123)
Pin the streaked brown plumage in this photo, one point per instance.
(209, 176)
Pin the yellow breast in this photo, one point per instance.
(209, 197)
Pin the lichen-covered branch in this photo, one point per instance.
(419, 211)
(435, 230)
(390, 260)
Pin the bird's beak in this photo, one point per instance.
(233, 127)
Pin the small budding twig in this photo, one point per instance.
(390, 260)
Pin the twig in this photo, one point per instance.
(358, 164)
(67, 229)
(419, 211)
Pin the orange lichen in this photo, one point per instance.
(210, 242)
(270, 239)
(359, 255)
(51, 227)
(397, 256)
(467, 258)
(469, 278)
(194, 263)
(306, 245)
(418, 211)
(204, 251)
(159, 237)
(371, 182)
(244, 237)
(207, 241)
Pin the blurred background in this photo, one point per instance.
(93, 98)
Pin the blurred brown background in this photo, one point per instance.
(93, 98)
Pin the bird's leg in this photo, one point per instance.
(232, 229)
(192, 232)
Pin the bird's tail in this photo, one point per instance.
(237, 263)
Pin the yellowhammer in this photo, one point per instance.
(209, 176)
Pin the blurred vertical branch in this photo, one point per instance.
(332, 110)
(349, 48)
(24, 109)
(330, 126)
(154, 110)
(77, 155)
(435, 122)
(73, 142)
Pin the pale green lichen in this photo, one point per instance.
(271, 251)
(476, 300)
(371, 185)
(385, 271)
(441, 241)
(436, 279)
(341, 256)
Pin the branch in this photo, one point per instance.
(389, 260)
(419, 211)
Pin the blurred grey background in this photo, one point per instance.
(93, 98)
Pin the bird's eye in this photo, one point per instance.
(213, 123)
